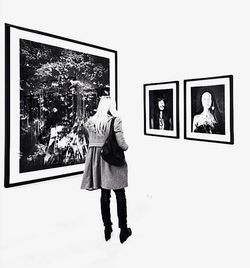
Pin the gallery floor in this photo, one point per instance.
(78, 240)
(55, 224)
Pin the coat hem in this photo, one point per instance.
(106, 188)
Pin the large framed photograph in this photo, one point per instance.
(208, 109)
(161, 109)
(53, 85)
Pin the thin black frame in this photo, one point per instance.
(8, 27)
(176, 123)
(231, 109)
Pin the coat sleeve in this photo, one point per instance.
(119, 134)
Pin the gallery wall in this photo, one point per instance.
(188, 200)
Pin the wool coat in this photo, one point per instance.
(98, 173)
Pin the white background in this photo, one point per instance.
(188, 201)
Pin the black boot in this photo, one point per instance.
(124, 234)
(107, 232)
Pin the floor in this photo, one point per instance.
(79, 243)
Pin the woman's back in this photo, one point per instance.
(98, 174)
(98, 140)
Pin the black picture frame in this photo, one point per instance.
(212, 121)
(44, 48)
(167, 124)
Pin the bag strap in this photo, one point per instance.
(111, 131)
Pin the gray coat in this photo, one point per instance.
(98, 173)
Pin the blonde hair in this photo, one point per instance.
(106, 107)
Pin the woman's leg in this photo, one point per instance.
(122, 214)
(105, 207)
(121, 207)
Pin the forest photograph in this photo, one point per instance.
(59, 90)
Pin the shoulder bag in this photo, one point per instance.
(111, 152)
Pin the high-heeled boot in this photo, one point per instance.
(124, 234)
(107, 232)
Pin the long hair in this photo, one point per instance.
(167, 116)
(105, 109)
(216, 113)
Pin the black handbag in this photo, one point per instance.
(111, 152)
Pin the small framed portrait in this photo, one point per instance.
(208, 109)
(161, 109)
(53, 85)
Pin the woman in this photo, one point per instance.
(98, 174)
(208, 121)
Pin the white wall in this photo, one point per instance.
(188, 201)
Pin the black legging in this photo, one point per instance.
(121, 207)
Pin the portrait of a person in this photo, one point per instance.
(208, 119)
(161, 117)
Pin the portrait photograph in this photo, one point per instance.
(161, 110)
(53, 85)
(208, 109)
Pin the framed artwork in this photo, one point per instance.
(161, 109)
(208, 109)
(52, 86)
